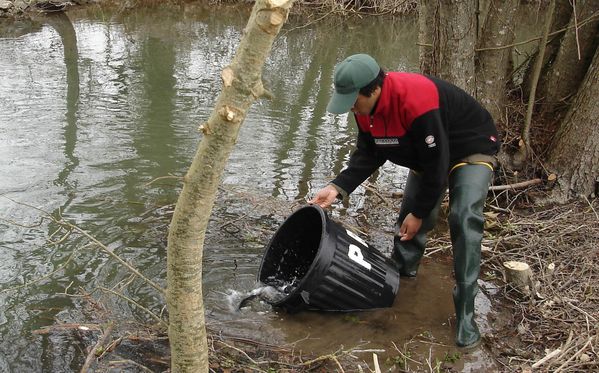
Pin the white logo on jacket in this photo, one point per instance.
(430, 141)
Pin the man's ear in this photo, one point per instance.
(377, 91)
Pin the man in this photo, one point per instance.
(447, 139)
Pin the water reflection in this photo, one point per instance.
(306, 113)
(58, 351)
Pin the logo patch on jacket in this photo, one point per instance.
(430, 141)
(386, 141)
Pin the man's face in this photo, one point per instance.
(364, 104)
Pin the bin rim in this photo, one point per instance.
(323, 224)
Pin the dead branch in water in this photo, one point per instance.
(92, 354)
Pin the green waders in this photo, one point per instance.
(468, 187)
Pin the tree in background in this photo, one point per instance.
(450, 36)
(574, 152)
(563, 73)
(554, 76)
(561, 17)
(242, 85)
(458, 33)
(493, 60)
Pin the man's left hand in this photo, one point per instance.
(409, 227)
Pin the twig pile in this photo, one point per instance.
(555, 328)
(234, 354)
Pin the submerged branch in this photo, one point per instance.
(46, 276)
(96, 348)
(136, 304)
(113, 255)
(73, 227)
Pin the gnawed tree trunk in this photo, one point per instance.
(493, 58)
(574, 153)
(242, 85)
(577, 47)
(457, 39)
(428, 36)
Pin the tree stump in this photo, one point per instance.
(519, 276)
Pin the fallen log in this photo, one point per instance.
(495, 188)
(519, 185)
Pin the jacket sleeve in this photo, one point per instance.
(431, 143)
(362, 163)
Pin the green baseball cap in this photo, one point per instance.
(352, 74)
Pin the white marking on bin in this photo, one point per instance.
(356, 237)
(355, 253)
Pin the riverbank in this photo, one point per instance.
(21, 8)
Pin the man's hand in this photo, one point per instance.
(325, 197)
(409, 227)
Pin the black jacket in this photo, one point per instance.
(425, 124)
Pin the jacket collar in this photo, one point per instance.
(383, 102)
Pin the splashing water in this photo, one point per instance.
(273, 291)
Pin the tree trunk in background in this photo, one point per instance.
(564, 75)
(428, 36)
(574, 153)
(492, 65)
(561, 17)
(242, 85)
(457, 39)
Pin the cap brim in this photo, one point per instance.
(342, 102)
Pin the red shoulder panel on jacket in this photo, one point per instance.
(404, 97)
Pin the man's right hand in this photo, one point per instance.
(325, 197)
(409, 227)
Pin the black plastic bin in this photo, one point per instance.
(331, 268)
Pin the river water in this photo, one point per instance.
(100, 108)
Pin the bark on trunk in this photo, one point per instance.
(493, 59)
(458, 35)
(428, 36)
(242, 85)
(561, 17)
(574, 153)
(576, 51)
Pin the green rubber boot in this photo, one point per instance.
(407, 254)
(468, 187)
(467, 333)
